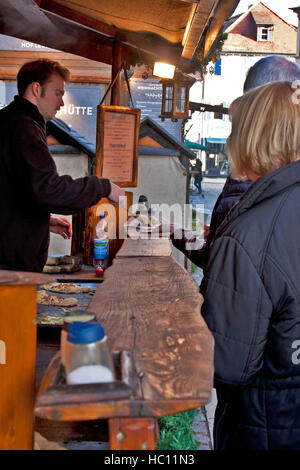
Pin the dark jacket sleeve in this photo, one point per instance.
(231, 193)
(237, 310)
(54, 193)
(187, 242)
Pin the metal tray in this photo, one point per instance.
(83, 302)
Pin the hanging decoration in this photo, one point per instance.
(200, 63)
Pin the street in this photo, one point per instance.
(203, 424)
(212, 187)
(211, 190)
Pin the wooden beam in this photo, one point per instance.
(225, 9)
(200, 15)
(132, 433)
(24, 20)
(82, 69)
(202, 107)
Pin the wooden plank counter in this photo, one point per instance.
(142, 247)
(150, 307)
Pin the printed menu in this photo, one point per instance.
(118, 146)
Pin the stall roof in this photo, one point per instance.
(147, 29)
(151, 128)
(69, 138)
(169, 144)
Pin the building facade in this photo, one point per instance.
(257, 33)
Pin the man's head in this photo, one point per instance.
(271, 69)
(42, 82)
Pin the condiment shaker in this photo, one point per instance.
(88, 358)
(72, 317)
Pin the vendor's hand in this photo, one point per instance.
(62, 226)
(116, 193)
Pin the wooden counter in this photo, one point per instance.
(17, 357)
(150, 307)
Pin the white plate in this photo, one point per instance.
(146, 228)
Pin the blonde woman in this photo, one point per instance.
(252, 283)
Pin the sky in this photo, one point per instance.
(281, 7)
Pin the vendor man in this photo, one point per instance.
(30, 187)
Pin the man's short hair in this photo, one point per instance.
(265, 130)
(271, 69)
(39, 71)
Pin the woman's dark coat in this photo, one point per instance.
(252, 306)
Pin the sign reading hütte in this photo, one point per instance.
(117, 144)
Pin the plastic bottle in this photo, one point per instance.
(88, 357)
(102, 227)
(101, 244)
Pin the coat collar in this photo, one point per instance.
(30, 108)
(264, 188)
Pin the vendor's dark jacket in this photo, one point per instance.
(251, 305)
(30, 188)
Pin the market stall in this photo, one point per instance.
(148, 304)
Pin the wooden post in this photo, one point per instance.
(116, 64)
(17, 358)
(132, 433)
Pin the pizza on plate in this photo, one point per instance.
(67, 288)
(47, 299)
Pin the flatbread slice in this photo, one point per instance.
(47, 299)
(67, 288)
(62, 269)
(48, 319)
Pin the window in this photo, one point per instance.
(264, 33)
(218, 67)
(169, 99)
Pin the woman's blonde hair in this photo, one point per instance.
(265, 130)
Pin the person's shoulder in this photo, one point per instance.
(232, 184)
(12, 113)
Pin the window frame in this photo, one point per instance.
(264, 30)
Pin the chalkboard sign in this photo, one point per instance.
(147, 96)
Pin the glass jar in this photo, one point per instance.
(88, 358)
(72, 317)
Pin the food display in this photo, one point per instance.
(67, 288)
(62, 264)
(57, 301)
(49, 319)
(46, 299)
